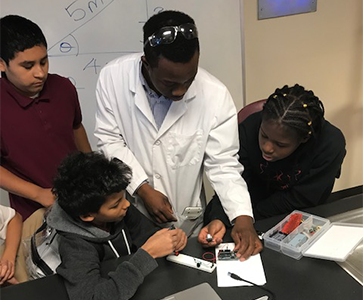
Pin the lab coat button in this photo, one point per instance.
(157, 176)
(157, 143)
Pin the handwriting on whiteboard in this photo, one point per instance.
(80, 13)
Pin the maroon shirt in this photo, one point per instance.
(36, 134)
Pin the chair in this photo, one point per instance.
(250, 109)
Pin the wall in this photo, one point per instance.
(321, 51)
(4, 199)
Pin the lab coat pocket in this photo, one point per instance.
(184, 150)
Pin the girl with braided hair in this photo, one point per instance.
(290, 153)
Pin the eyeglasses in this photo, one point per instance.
(167, 35)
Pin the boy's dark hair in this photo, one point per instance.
(85, 180)
(17, 35)
(296, 108)
(181, 50)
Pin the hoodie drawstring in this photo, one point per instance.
(113, 249)
(127, 244)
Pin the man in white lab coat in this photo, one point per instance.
(170, 120)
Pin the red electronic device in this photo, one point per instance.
(294, 221)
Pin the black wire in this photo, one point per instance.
(236, 277)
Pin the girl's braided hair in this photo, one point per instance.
(296, 108)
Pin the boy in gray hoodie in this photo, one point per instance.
(96, 223)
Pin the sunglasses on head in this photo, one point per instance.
(167, 35)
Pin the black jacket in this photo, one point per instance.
(303, 179)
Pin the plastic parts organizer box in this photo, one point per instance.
(314, 237)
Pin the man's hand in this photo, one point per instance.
(157, 204)
(245, 238)
(216, 229)
(45, 197)
(165, 242)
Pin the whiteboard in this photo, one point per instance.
(84, 35)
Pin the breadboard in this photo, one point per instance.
(192, 262)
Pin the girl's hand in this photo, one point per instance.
(7, 270)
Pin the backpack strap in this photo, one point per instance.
(38, 261)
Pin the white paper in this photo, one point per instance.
(250, 269)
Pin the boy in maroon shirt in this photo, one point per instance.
(41, 120)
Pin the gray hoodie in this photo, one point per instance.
(83, 247)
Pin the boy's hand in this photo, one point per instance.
(165, 242)
(12, 281)
(181, 240)
(216, 229)
(245, 238)
(7, 270)
(157, 204)
(45, 197)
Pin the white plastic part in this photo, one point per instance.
(192, 262)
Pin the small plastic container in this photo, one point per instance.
(296, 241)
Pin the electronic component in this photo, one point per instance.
(209, 238)
(278, 235)
(227, 254)
(192, 262)
(260, 234)
(294, 221)
(192, 212)
(298, 240)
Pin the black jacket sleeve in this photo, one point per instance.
(316, 184)
(215, 211)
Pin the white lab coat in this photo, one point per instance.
(198, 133)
